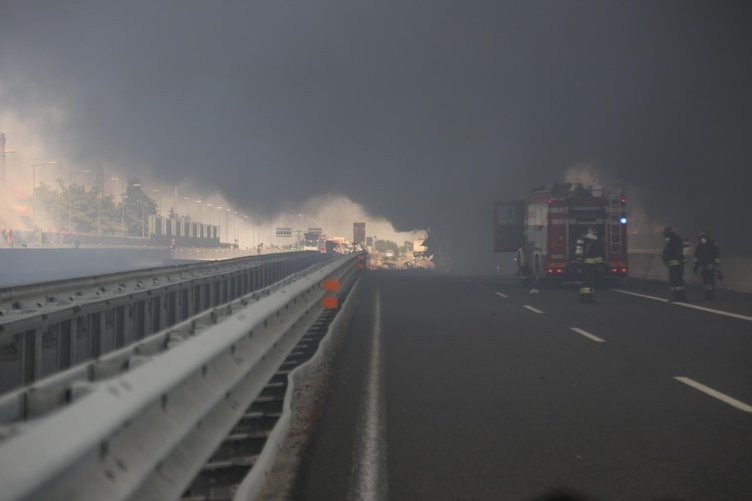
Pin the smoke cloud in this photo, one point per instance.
(422, 112)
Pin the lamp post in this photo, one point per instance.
(34, 188)
(156, 190)
(208, 222)
(219, 223)
(200, 224)
(34, 174)
(70, 198)
(227, 223)
(143, 218)
(123, 196)
(3, 151)
(187, 207)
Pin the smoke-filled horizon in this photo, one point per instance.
(423, 112)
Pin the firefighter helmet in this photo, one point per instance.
(667, 231)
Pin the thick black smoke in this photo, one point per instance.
(425, 112)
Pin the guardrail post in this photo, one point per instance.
(94, 341)
(12, 371)
(205, 297)
(173, 300)
(31, 355)
(119, 326)
(164, 303)
(195, 300)
(66, 343)
(141, 319)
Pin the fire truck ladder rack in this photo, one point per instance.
(613, 222)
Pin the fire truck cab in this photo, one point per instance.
(544, 228)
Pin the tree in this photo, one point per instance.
(54, 204)
(137, 207)
(94, 211)
(386, 245)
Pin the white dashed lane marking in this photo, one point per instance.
(535, 310)
(587, 335)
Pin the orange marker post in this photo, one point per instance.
(331, 284)
(329, 302)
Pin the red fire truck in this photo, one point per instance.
(544, 228)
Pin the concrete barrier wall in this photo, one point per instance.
(737, 270)
(27, 266)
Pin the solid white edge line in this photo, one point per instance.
(663, 300)
(536, 310)
(717, 312)
(588, 335)
(715, 394)
(370, 450)
(688, 305)
(502, 295)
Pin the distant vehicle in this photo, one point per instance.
(311, 241)
(543, 230)
(333, 247)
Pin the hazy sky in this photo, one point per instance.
(423, 111)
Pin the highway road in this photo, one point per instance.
(475, 388)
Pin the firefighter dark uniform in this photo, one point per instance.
(673, 257)
(590, 250)
(707, 260)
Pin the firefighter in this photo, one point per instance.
(673, 257)
(590, 251)
(707, 260)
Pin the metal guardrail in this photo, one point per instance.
(47, 328)
(145, 434)
(253, 483)
(56, 391)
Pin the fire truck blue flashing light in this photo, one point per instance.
(623, 220)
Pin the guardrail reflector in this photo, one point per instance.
(329, 303)
(331, 284)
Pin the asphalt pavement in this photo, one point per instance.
(477, 388)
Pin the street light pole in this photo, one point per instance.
(200, 224)
(188, 207)
(122, 209)
(156, 190)
(219, 223)
(34, 189)
(227, 223)
(235, 231)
